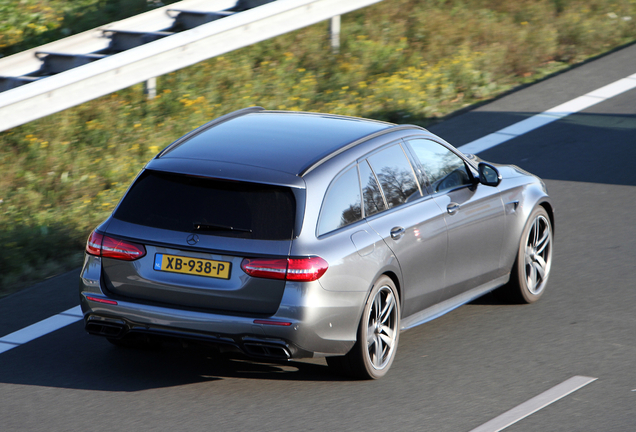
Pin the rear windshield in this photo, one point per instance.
(223, 208)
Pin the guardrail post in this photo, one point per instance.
(150, 88)
(334, 29)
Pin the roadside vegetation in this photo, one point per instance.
(409, 61)
(27, 24)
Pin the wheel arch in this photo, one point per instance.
(550, 210)
(391, 275)
(530, 196)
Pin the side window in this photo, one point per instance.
(372, 196)
(445, 170)
(395, 174)
(342, 206)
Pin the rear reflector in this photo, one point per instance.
(292, 269)
(100, 300)
(108, 247)
(276, 323)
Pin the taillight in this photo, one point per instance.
(306, 269)
(94, 244)
(109, 247)
(292, 269)
(265, 268)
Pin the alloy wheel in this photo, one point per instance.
(538, 255)
(382, 328)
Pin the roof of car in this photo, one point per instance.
(290, 142)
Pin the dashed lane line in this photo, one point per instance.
(535, 404)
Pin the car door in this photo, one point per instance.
(474, 215)
(410, 222)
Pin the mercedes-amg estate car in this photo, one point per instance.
(287, 235)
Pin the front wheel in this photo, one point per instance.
(378, 335)
(530, 273)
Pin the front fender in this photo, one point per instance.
(520, 196)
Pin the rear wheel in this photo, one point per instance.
(531, 270)
(378, 335)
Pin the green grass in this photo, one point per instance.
(26, 24)
(400, 60)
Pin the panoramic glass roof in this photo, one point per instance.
(281, 141)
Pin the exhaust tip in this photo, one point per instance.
(111, 330)
(267, 351)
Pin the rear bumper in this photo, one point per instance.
(310, 321)
(258, 347)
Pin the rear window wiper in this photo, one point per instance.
(214, 227)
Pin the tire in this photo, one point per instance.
(531, 270)
(378, 335)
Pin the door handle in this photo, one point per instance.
(397, 232)
(452, 208)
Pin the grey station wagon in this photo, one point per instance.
(287, 235)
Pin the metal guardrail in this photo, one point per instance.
(94, 63)
(74, 51)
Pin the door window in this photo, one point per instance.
(445, 170)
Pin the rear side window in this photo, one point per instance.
(373, 200)
(342, 206)
(193, 204)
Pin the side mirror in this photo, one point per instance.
(488, 174)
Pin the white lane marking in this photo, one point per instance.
(535, 404)
(494, 139)
(553, 114)
(41, 328)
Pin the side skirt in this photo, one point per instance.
(446, 306)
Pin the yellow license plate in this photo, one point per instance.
(192, 266)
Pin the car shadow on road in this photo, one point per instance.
(69, 358)
(493, 298)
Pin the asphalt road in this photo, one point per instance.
(452, 374)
